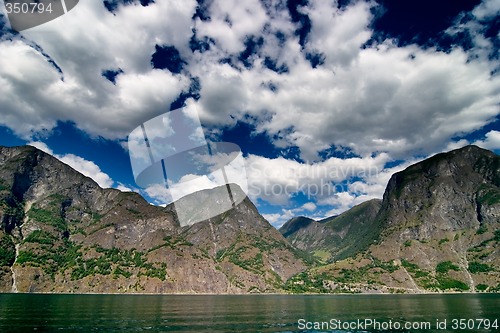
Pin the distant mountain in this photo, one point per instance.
(60, 232)
(337, 237)
(295, 224)
(437, 229)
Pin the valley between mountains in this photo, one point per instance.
(437, 229)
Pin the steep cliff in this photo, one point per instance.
(438, 229)
(60, 232)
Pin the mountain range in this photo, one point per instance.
(436, 229)
(61, 232)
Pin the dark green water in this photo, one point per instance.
(259, 313)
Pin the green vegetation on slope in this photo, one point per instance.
(342, 280)
(7, 250)
(445, 266)
(55, 256)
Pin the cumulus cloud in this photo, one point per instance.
(487, 9)
(491, 141)
(85, 167)
(400, 100)
(84, 43)
(125, 188)
(338, 33)
(278, 180)
(275, 219)
(380, 100)
(159, 193)
(231, 22)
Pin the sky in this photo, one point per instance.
(326, 99)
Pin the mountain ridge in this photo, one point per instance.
(437, 229)
(60, 232)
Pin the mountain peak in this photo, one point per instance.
(466, 173)
(437, 229)
(295, 224)
(335, 237)
(61, 232)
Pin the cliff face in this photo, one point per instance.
(445, 209)
(449, 191)
(60, 232)
(438, 229)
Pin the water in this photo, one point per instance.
(253, 313)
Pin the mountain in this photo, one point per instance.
(337, 237)
(61, 232)
(437, 229)
(295, 224)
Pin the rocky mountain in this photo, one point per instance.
(437, 229)
(337, 237)
(61, 232)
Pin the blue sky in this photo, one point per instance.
(326, 99)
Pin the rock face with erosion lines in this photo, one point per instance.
(436, 229)
(61, 232)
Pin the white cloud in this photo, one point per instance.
(384, 102)
(274, 219)
(89, 169)
(457, 144)
(335, 184)
(278, 219)
(85, 42)
(85, 167)
(380, 98)
(487, 9)
(231, 22)
(400, 100)
(491, 141)
(124, 188)
(336, 33)
(159, 193)
(42, 146)
(278, 180)
(309, 206)
(341, 201)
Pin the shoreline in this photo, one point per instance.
(247, 294)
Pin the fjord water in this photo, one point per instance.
(253, 313)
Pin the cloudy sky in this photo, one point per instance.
(326, 99)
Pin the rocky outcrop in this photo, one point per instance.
(437, 229)
(73, 236)
(445, 209)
